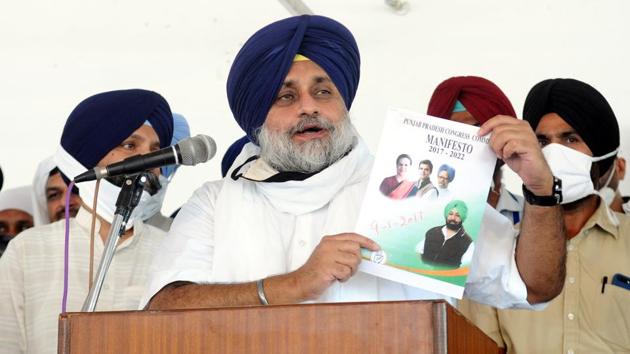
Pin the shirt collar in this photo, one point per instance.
(459, 233)
(605, 219)
(84, 219)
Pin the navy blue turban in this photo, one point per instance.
(450, 171)
(101, 122)
(582, 107)
(231, 154)
(261, 66)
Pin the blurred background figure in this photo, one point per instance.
(49, 194)
(16, 213)
(610, 192)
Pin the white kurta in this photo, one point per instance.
(238, 231)
(31, 280)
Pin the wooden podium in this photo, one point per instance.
(374, 327)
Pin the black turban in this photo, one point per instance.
(582, 107)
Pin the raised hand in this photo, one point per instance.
(514, 142)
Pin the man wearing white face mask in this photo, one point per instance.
(101, 130)
(152, 212)
(580, 138)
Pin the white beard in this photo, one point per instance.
(280, 152)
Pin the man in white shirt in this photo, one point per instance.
(103, 129)
(277, 230)
(49, 193)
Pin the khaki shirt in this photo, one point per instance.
(581, 319)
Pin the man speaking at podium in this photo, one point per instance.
(103, 129)
(277, 229)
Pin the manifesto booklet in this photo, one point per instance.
(425, 201)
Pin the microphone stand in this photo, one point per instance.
(128, 199)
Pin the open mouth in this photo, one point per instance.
(310, 131)
(310, 128)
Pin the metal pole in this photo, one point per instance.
(296, 7)
(112, 239)
(128, 199)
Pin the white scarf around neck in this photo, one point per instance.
(255, 217)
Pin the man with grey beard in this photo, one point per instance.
(281, 153)
(277, 229)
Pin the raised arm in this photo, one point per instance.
(540, 249)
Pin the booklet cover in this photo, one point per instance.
(425, 201)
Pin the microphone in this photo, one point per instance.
(189, 152)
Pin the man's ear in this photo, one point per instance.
(620, 166)
(618, 169)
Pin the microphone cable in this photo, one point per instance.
(64, 299)
(91, 276)
(66, 255)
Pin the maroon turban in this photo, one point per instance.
(482, 98)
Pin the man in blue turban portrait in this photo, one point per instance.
(278, 228)
(445, 175)
(102, 129)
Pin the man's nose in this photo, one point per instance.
(12, 231)
(60, 204)
(74, 200)
(308, 105)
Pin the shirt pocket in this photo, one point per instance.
(611, 317)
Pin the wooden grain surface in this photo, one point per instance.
(379, 327)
